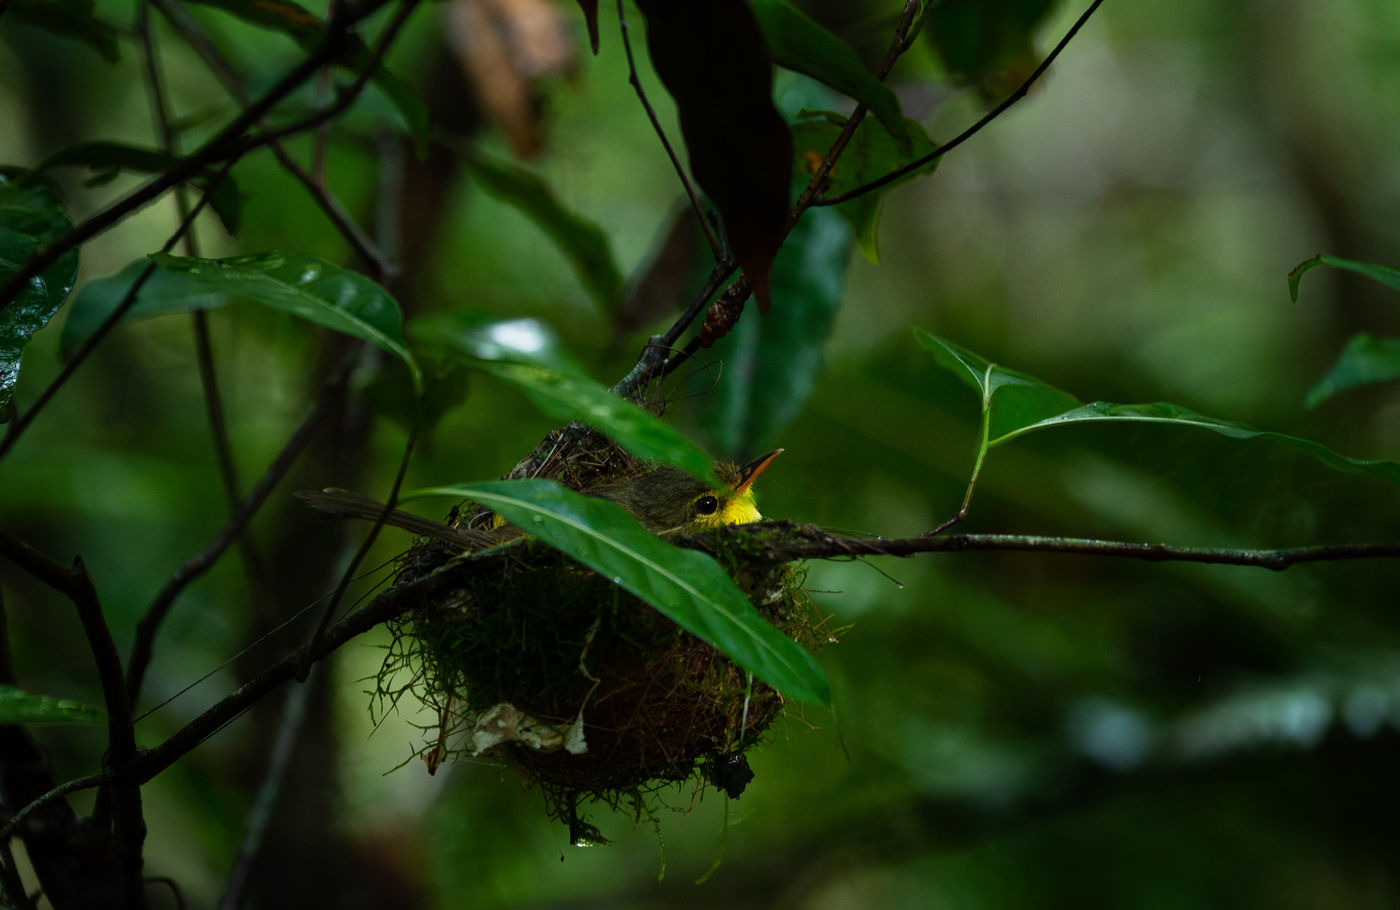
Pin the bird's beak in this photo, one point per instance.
(750, 471)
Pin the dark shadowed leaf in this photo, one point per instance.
(712, 58)
(31, 217)
(109, 158)
(1020, 404)
(314, 289)
(872, 153)
(1386, 275)
(582, 242)
(17, 707)
(988, 42)
(307, 29)
(770, 364)
(687, 586)
(590, 16)
(1365, 361)
(801, 44)
(68, 19)
(575, 397)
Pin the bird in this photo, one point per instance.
(664, 499)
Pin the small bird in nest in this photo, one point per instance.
(665, 500)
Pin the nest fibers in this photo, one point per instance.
(586, 690)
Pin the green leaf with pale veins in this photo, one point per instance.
(686, 586)
(31, 217)
(581, 241)
(19, 707)
(163, 292)
(801, 44)
(308, 287)
(872, 153)
(573, 397)
(1021, 404)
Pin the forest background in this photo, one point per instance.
(1006, 728)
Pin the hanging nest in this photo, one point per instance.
(588, 691)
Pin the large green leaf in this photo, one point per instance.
(312, 288)
(1364, 361)
(31, 217)
(163, 292)
(770, 363)
(18, 707)
(1390, 277)
(581, 241)
(871, 153)
(801, 44)
(687, 586)
(573, 397)
(1015, 404)
(110, 158)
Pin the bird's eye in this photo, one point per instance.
(706, 505)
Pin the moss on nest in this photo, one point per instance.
(589, 692)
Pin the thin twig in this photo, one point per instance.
(661, 134)
(346, 577)
(199, 319)
(21, 422)
(784, 541)
(229, 144)
(380, 268)
(128, 827)
(971, 131)
(199, 563)
(288, 732)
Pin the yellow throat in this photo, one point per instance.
(670, 500)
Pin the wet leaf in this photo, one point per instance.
(31, 217)
(686, 586)
(308, 287)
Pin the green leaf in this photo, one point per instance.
(872, 153)
(799, 43)
(31, 217)
(17, 707)
(570, 397)
(308, 287)
(307, 29)
(1365, 361)
(770, 364)
(1020, 404)
(686, 586)
(164, 292)
(581, 241)
(484, 337)
(1390, 277)
(109, 158)
(68, 19)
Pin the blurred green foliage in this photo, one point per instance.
(1008, 729)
